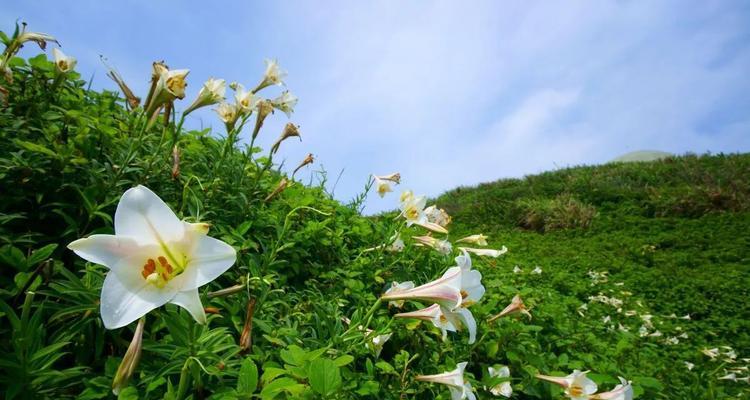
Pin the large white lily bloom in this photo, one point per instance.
(63, 63)
(212, 92)
(577, 386)
(623, 391)
(486, 252)
(445, 319)
(459, 387)
(245, 99)
(412, 208)
(503, 388)
(437, 216)
(153, 259)
(456, 288)
(169, 86)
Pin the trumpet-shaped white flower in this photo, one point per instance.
(537, 270)
(456, 288)
(397, 287)
(503, 388)
(245, 99)
(517, 270)
(285, 103)
(382, 186)
(63, 63)
(442, 246)
(446, 320)
(376, 343)
(577, 386)
(459, 387)
(516, 306)
(478, 239)
(39, 38)
(412, 208)
(228, 113)
(486, 252)
(153, 259)
(623, 391)
(689, 365)
(273, 75)
(437, 216)
(170, 85)
(212, 92)
(397, 245)
(711, 353)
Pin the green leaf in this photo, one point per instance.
(40, 255)
(247, 381)
(343, 360)
(325, 377)
(33, 147)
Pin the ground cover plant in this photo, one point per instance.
(144, 260)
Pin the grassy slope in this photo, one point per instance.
(692, 210)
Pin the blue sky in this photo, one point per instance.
(447, 93)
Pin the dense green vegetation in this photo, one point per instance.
(620, 247)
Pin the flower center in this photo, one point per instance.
(63, 65)
(159, 270)
(176, 85)
(412, 213)
(576, 390)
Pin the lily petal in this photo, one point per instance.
(106, 250)
(142, 215)
(210, 258)
(122, 304)
(191, 301)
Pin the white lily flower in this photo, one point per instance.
(729, 377)
(153, 259)
(397, 245)
(458, 386)
(212, 92)
(478, 239)
(245, 99)
(577, 386)
(412, 208)
(711, 353)
(516, 306)
(228, 113)
(63, 63)
(623, 391)
(169, 86)
(445, 319)
(537, 270)
(486, 252)
(503, 388)
(273, 75)
(285, 103)
(397, 287)
(441, 246)
(689, 365)
(456, 288)
(376, 344)
(437, 216)
(39, 38)
(517, 270)
(382, 186)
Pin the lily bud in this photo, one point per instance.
(175, 162)
(157, 68)
(132, 100)
(394, 177)
(308, 160)
(442, 246)
(39, 38)
(265, 107)
(246, 338)
(212, 92)
(226, 292)
(285, 103)
(290, 130)
(279, 188)
(130, 360)
(516, 306)
(63, 63)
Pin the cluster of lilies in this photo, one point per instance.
(154, 258)
(455, 291)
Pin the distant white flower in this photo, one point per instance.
(537, 270)
(153, 259)
(459, 387)
(228, 113)
(517, 270)
(273, 75)
(397, 287)
(382, 186)
(689, 365)
(711, 353)
(445, 319)
(397, 245)
(623, 391)
(729, 377)
(441, 246)
(516, 306)
(606, 319)
(63, 63)
(437, 216)
(486, 252)
(394, 177)
(246, 101)
(577, 386)
(212, 92)
(503, 388)
(478, 239)
(672, 341)
(376, 343)
(285, 103)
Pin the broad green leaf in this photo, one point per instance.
(325, 377)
